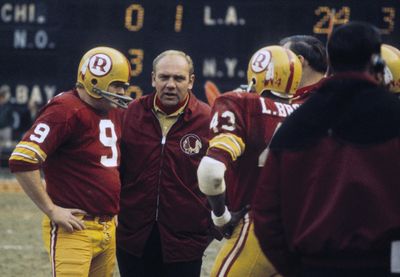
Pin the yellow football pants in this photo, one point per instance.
(90, 252)
(241, 255)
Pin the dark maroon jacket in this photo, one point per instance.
(159, 181)
(329, 194)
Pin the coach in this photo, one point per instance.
(164, 219)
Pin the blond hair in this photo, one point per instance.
(174, 52)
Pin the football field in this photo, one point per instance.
(21, 246)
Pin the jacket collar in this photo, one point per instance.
(189, 110)
(350, 107)
(353, 75)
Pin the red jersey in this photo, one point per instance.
(78, 149)
(241, 129)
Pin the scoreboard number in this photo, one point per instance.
(329, 17)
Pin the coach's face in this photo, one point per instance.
(172, 79)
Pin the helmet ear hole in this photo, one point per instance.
(94, 81)
(378, 64)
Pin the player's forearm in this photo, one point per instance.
(217, 203)
(31, 183)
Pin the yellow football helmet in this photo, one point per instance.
(391, 56)
(276, 69)
(100, 67)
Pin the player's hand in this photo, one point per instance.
(228, 228)
(66, 218)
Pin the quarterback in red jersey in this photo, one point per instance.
(241, 129)
(75, 140)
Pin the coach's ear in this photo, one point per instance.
(153, 79)
(303, 61)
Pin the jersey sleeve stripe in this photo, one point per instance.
(226, 148)
(230, 143)
(22, 157)
(32, 147)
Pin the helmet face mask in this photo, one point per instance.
(391, 76)
(99, 68)
(119, 100)
(275, 69)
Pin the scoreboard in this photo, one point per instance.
(41, 41)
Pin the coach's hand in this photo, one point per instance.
(66, 218)
(228, 228)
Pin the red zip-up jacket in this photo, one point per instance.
(328, 195)
(159, 181)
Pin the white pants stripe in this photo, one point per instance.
(230, 259)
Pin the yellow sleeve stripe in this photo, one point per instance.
(226, 148)
(22, 157)
(230, 143)
(27, 153)
(32, 147)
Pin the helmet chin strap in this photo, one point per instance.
(250, 86)
(119, 100)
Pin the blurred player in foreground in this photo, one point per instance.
(327, 201)
(75, 140)
(241, 129)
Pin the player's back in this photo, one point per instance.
(241, 129)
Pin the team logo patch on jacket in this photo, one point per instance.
(191, 144)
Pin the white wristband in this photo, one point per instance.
(220, 221)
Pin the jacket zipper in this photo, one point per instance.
(163, 139)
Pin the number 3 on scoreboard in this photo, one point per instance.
(389, 15)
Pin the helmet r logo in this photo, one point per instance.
(100, 64)
(261, 60)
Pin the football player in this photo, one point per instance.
(241, 128)
(391, 76)
(75, 140)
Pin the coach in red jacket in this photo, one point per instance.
(164, 219)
